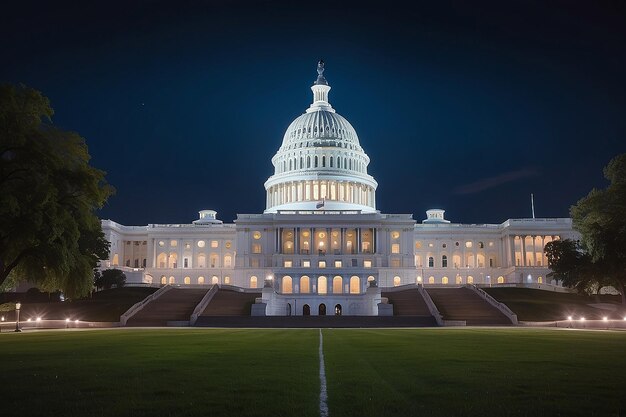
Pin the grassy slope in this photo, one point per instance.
(105, 305)
(538, 305)
(468, 372)
(160, 373)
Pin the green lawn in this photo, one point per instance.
(387, 372)
(539, 305)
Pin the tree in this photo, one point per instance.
(49, 233)
(572, 265)
(600, 218)
(109, 278)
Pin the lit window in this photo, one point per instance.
(255, 263)
(395, 248)
(337, 264)
(200, 280)
(161, 243)
(256, 248)
(256, 235)
(367, 264)
(490, 244)
(396, 281)
(228, 245)
(468, 244)
(226, 280)
(306, 264)
(187, 280)
(431, 280)
(173, 243)
(187, 245)
(201, 243)
(395, 235)
(288, 264)
(214, 244)
(322, 264)
(430, 245)
(253, 282)
(470, 279)
(444, 280)
(481, 245)
(418, 245)
(395, 263)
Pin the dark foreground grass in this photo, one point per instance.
(468, 372)
(160, 373)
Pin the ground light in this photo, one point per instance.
(18, 305)
(38, 318)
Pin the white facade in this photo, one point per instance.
(321, 239)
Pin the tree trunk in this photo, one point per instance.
(621, 290)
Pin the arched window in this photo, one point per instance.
(200, 280)
(315, 161)
(305, 285)
(459, 279)
(396, 281)
(431, 280)
(321, 310)
(187, 280)
(321, 285)
(161, 260)
(172, 280)
(337, 285)
(444, 261)
(143, 263)
(470, 279)
(323, 161)
(539, 280)
(330, 162)
(338, 310)
(201, 261)
(214, 259)
(163, 280)
(287, 285)
(355, 285)
(215, 280)
(228, 261)
(444, 280)
(306, 310)
(431, 262)
(308, 162)
(253, 282)
(500, 280)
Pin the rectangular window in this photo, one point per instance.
(288, 264)
(367, 264)
(256, 248)
(395, 248)
(185, 263)
(214, 244)
(337, 264)
(395, 263)
(322, 264)
(254, 263)
(490, 262)
(306, 263)
(355, 263)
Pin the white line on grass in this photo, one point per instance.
(323, 393)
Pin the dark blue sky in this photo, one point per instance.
(467, 106)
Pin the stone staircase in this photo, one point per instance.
(463, 304)
(230, 303)
(408, 302)
(175, 305)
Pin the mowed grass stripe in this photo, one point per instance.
(160, 373)
(475, 372)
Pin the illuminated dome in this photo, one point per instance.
(320, 164)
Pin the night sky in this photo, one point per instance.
(465, 106)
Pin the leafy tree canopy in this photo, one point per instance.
(600, 217)
(109, 278)
(49, 233)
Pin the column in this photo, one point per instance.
(523, 250)
(534, 260)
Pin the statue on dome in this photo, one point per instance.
(320, 73)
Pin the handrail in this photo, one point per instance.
(504, 309)
(141, 304)
(202, 304)
(434, 311)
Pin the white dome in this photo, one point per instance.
(320, 128)
(320, 163)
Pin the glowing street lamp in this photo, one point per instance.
(18, 305)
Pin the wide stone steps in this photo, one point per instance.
(316, 321)
(230, 303)
(408, 302)
(463, 304)
(176, 304)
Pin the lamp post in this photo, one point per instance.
(18, 305)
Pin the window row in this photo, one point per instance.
(469, 261)
(322, 285)
(306, 263)
(171, 261)
(200, 243)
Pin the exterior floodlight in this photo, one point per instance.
(569, 318)
(2, 318)
(28, 319)
(605, 318)
(38, 318)
(624, 318)
(67, 320)
(582, 319)
(76, 321)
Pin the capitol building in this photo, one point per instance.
(322, 242)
